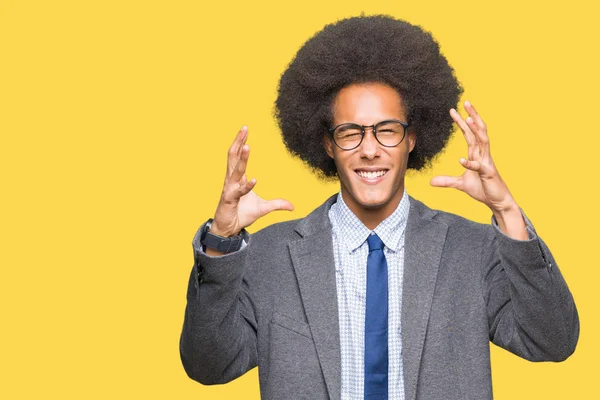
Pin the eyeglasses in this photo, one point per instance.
(349, 136)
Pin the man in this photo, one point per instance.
(373, 295)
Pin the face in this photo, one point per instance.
(371, 176)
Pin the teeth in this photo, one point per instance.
(370, 174)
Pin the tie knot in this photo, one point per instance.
(374, 243)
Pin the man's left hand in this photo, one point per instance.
(481, 179)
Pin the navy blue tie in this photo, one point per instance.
(376, 323)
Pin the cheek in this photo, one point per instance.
(342, 172)
(340, 159)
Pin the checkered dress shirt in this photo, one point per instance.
(350, 251)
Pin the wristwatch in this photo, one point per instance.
(221, 244)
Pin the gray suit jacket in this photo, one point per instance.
(274, 304)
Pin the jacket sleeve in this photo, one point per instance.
(218, 340)
(530, 309)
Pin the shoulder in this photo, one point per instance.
(454, 222)
(287, 231)
(277, 232)
(463, 239)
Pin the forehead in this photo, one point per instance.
(367, 103)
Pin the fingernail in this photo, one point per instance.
(244, 128)
(467, 103)
(469, 120)
(463, 161)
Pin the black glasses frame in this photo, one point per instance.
(362, 128)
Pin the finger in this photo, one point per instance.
(469, 137)
(481, 137)
(244, 130)
(474, 114)
(275, 205)
(479, 129)
(471, 165)
(484, 169)
(244, 189)
(240, 139)
(235, 149)
(446, 181)
(240, 168)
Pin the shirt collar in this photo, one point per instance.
(354, 233)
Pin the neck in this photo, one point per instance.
(373, 216)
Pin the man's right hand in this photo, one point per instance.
(239, 206)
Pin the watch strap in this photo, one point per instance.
(221, 244)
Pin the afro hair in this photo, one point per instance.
(359, 50)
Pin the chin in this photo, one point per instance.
(373, 201)
(374, 205)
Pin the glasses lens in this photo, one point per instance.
(347, 136)
(390, 133)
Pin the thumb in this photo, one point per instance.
(275, 205)
(446, 181)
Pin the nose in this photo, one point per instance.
(369, 148)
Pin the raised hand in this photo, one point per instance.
(239, 206)
(481, 179)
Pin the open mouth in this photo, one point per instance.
(371, 175)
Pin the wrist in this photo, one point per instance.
(508, 211)
(221, 244)
(217, 229)
(511, 223)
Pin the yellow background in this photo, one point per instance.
(115, 119)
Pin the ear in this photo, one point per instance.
(412, 140)
(328, 144)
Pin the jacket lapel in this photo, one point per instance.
(424, 243)
(312, 257)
